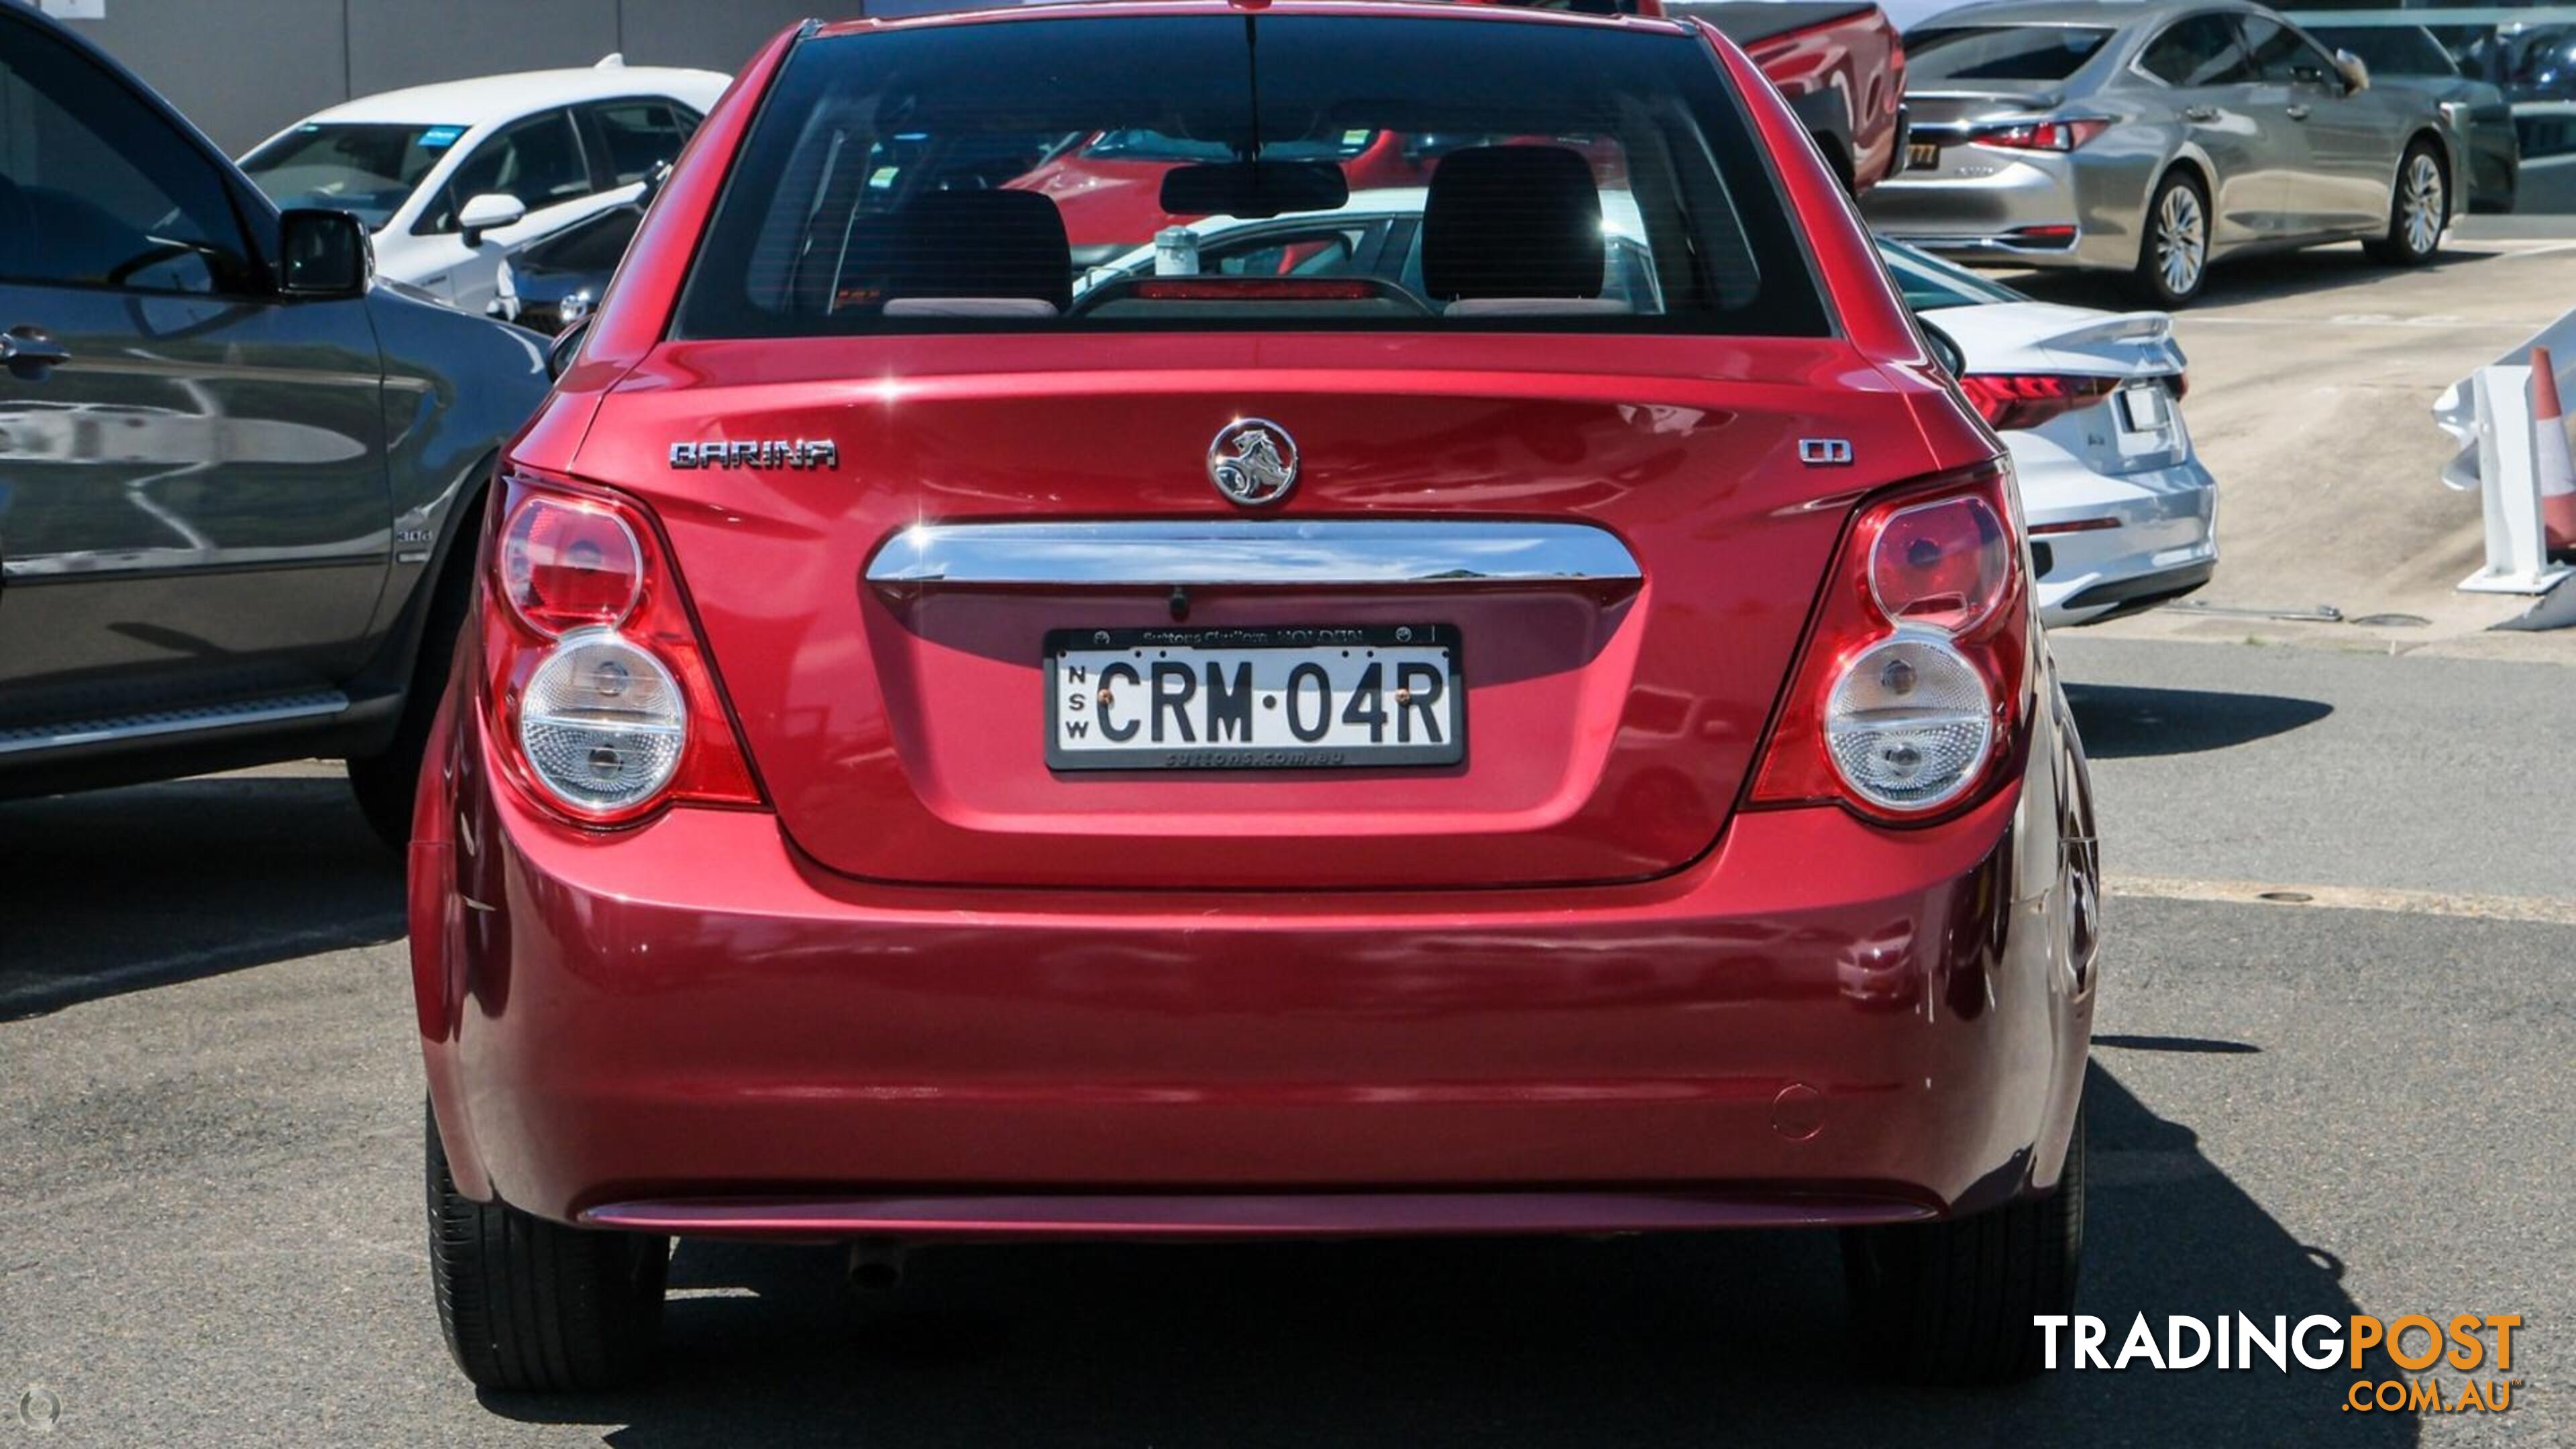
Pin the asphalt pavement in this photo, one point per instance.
(210, 1204)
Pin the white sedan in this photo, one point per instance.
(2122, 514)
(453, 178)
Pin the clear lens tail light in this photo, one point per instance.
(1913, 688)
(1908, 722)
(602, 723)
(597, 689)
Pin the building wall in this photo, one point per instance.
(242, 69)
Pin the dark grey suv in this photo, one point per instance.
(234, 472)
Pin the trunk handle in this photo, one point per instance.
(1282, 552)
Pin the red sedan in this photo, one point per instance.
(1448, 728)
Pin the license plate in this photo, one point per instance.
(1383, 695)
(2142, 407)
(1922, 157)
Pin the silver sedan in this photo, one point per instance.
(2154, 139)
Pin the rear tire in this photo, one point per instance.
(1951, 1302)
(2418, 210)
(531, 1305)
(2173, 246)
(386, 783)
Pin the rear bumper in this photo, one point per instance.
(2112, 598)
(1201, 1214)
(1994, 251)
(2015, 211)
(2164, 544)
(688, 1027)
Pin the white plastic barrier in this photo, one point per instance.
(2489, 413)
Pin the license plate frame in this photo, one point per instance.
(1304, 643)
(2144, 408)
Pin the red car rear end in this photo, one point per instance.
(1500, 719)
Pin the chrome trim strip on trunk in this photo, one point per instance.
(1211, 552)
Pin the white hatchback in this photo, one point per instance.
(2122, 514)
(453, 178)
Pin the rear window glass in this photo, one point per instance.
(2000, 52)
(367, 170)
(1108, 174)
(2392, 49)
(1930, 284)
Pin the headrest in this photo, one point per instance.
(980, 244)
(1512, 221)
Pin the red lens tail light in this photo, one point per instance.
(597, 690)
(1912, 692)
(568, 564)
(2009, 400)
(2041, 135)
(1944, 565)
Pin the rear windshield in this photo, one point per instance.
(2391, 49)
(1999, 52)
(363, 168)
(1930, 284)
(1086, 174)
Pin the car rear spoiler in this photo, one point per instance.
(2133, 343)
(1948, 118)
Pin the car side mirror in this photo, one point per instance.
(323, 254)
(566, 346)
(488, 212)
(2355, 74)
(1945, 350)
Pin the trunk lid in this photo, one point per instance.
(2115, 435)
(1946, 116)
(902, 725)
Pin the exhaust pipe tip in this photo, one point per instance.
(875, 1267)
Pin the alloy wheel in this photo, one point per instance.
(2420, 204)
(2182, 240)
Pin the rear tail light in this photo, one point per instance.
(1908, 723)
(2050, 235)
(1943, 565)
(597, 690)
(1914, 684)
(602, 723)
(2009, 400)
(566, 564)
(2040, 135)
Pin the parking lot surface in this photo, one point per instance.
(209, 1107)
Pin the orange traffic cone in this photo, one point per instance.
(2549, 456)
